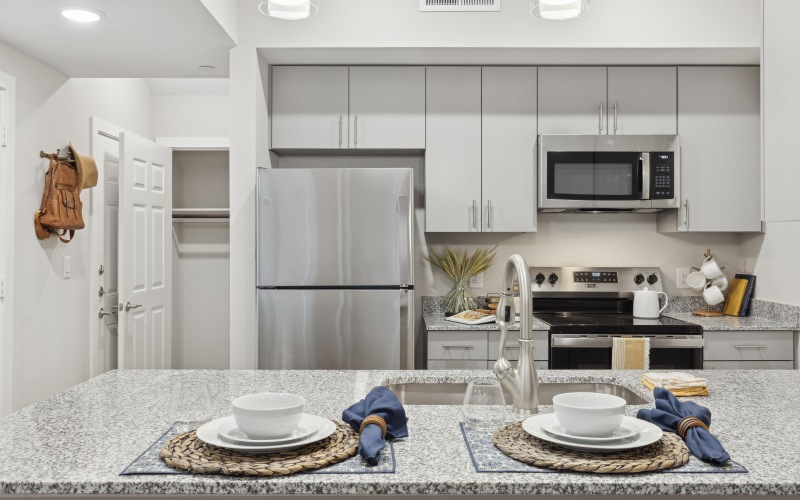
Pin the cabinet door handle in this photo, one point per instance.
(340, 130)
(686, 212)
(355, 130)
(750, 346)
(600, 116)
(458, 347)
(489, 214)
(615, 117)
(474, 214)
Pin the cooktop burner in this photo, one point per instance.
(611, 323)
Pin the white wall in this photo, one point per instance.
(609, 23)
(191, 115)
(773, 256)
(50, 338)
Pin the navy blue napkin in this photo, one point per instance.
(668, 414)
(382, 402)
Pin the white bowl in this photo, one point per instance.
(589, 413)
(268, 415)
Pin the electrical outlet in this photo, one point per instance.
(683, 272)
(476, 281)
(67, 267)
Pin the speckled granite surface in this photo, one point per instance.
(436, 322)
(764, 316)
(77, 442)
(747, 323)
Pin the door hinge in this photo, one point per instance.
(5, 136)
(2, 288)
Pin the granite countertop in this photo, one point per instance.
(78, 441)
(436, 322)
(726, 323)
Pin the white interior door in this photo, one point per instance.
(7, 105)
(145, 254)
(104, 288)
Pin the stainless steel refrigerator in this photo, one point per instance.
(335, 268)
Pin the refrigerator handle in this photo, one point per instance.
(406, 329)
(405, 229)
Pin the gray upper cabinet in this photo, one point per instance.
(336, 107)
(642, 100)
(570, 100)
(387, 107)
(309, 107)
(614, 100)
(719, 127)
(509, 147)
(453, 149)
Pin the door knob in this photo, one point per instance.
(129, 306)
(102, 312)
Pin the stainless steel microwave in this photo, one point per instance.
(608, 173)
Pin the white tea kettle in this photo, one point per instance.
(645, 304)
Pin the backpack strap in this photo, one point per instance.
(61, 236)
(41, 232)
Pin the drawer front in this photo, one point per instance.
(467, 345)
(748, 365)
(540, 345)
(456, 364)
(748, 346)
(540, 365)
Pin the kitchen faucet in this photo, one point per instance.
(521, 382)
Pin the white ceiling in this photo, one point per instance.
(138, 38)
(189, 86)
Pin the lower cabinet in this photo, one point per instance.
(748, 350)
(478, 350)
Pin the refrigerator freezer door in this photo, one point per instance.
(335, 329)
(335, 227)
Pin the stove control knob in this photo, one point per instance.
(539, 279)
(652, 279)
(639, 279)
(553, 278)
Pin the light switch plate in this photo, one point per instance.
(67, 267)
(476, 281)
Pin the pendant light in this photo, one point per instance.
(559, 10)
(289, 10)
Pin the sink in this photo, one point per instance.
(420, 393)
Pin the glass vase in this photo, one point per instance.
(460, 297)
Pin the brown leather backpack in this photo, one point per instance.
(61, 211)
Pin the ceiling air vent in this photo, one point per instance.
(459, 5)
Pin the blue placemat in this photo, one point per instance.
(486, 457)
(149, 462)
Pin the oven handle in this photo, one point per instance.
(606, 342)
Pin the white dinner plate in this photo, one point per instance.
(624, 431)
(647, 434)
(209, 433)
(308, 425)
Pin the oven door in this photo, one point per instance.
(581, 352)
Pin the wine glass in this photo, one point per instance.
(189, 405)
(484, 405)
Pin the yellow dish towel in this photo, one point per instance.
(628, 353)
(678, 383)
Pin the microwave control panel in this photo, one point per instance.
(662, 176)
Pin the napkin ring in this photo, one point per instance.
(373, 419)
(687, 423)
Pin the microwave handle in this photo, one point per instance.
(644, 165)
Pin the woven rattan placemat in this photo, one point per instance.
(669, 452)
(187, 452)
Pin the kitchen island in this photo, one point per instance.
(77, 442)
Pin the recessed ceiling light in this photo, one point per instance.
(559, 9)
(207, 67)
(82, 14)
(289, 10)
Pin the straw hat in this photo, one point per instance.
(87, 168)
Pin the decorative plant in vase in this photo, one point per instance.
(460, 267)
